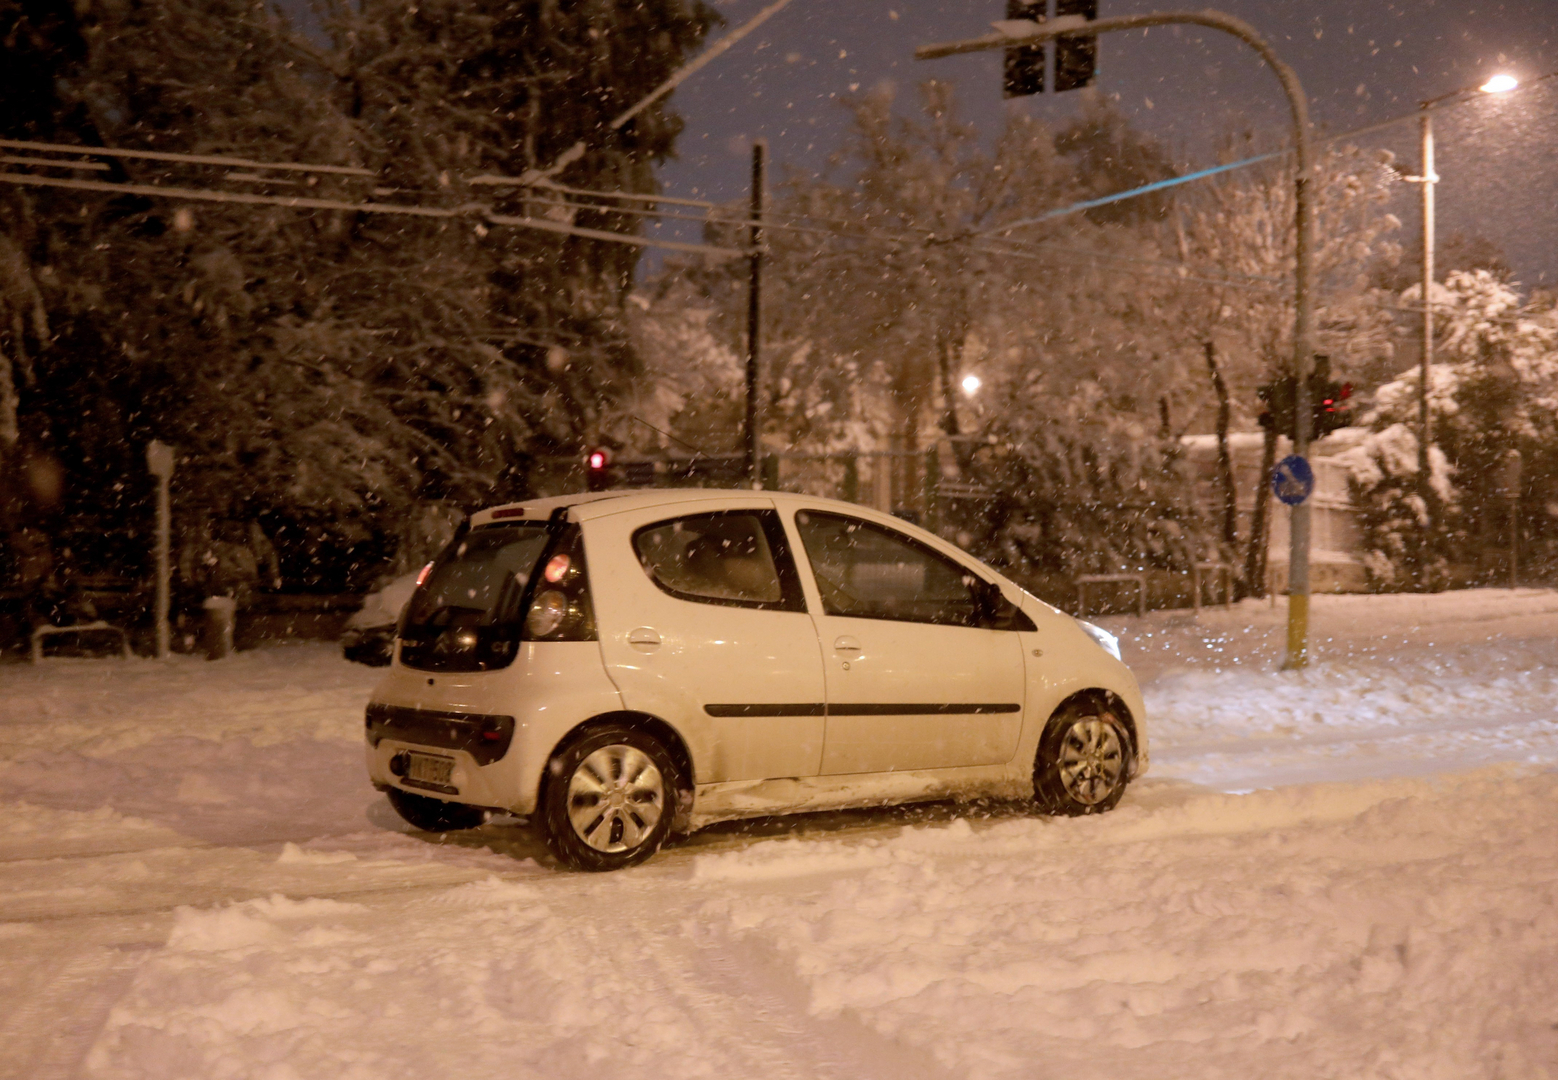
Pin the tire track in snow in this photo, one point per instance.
(83, 988)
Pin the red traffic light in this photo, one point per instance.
(597, 460)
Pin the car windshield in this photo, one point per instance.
(469, 605)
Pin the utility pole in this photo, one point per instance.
(754, 432)
(1018, 32)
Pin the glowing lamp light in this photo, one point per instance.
(557, 569)
(1499, 84)
(971, 384)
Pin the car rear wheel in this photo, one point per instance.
(608, 799)
(435, 815)
(1084, 760)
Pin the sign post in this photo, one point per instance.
(159, 462)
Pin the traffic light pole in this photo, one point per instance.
(1022, 32)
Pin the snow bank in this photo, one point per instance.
(1399, 929)
(1338, 931)
(265, 743)
(254, 922)
(1398, 685)
(102, 707)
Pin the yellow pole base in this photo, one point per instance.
(1298, 632)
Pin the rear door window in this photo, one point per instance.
(736, 558)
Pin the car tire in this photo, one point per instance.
(1084, 759)
(435, 815)
(608, 799)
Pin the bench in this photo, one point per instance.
(99, 626)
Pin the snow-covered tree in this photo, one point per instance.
(1493, 389)
(343, 366)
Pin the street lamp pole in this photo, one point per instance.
(1022, 31)
(1498, 84)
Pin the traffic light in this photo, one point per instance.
(597, 468)
(1024, 72)
(1076, 58)
(1328, 399)
(1278, 396)
(1327, 402)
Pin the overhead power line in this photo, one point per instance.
(475, 211)
(183, 159)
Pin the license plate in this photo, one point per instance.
(429, 769)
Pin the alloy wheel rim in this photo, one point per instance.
(1092, 760)
(615, 798)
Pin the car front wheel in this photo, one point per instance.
(1084, 760)
(608, 799)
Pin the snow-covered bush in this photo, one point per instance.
(1086, 490)
(1393, 517)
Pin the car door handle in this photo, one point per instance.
(644, 639)
(846, 644)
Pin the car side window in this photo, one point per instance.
(735, 558)
(867, 571)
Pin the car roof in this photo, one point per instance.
(598, 504)
(586, 505)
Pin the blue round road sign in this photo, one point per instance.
(1292, 480)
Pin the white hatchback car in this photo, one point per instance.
(620, 665)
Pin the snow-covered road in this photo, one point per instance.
(1350, 871)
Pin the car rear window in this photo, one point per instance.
(466, 616)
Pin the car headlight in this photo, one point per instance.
(1106, 641)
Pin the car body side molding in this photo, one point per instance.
(804, 708)
(872, 709)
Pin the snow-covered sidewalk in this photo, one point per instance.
(199, 883)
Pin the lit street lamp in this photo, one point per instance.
(1498, 84)
(971, 385)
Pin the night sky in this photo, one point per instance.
(1360, 62)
